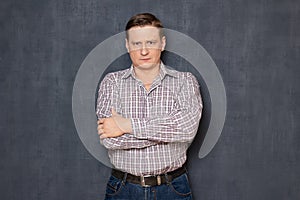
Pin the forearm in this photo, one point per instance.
(181, 124)
(179, 127)
(126, 141)
(123, 141)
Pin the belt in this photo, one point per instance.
(148, 181)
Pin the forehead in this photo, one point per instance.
(144, 32)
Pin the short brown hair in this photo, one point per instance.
(144, 19)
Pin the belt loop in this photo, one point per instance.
(124, 178)
(167, 178)
(185, 169)
(158, 180)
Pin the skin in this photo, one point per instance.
(144, 45)
(114, 126)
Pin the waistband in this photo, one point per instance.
(148, 181)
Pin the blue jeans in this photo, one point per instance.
(178, 189)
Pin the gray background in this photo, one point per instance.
(255, 44)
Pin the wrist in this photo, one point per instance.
(128, 128)
(124, 124)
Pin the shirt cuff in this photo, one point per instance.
(139, 128)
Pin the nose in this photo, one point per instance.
(144, 50)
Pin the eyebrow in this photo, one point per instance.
(154, 40)
(151, 40)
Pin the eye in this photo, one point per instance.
(136, 43)
(151, 42)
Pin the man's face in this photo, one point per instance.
(145, 45)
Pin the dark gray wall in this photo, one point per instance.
(255, 44)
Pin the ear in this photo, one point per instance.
(163, 41)
(127, 44)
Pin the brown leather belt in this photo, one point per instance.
(148, 181)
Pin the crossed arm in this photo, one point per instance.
(117, 132)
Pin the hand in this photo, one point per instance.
(107, 128)
(114, 126)
(123, 123)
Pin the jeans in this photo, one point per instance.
(178, 189)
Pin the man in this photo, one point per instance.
(148, 116)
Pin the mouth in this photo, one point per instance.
(145, 59)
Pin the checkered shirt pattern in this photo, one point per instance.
(164, 119)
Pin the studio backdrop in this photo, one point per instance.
(245, 55)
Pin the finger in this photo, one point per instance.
(100, 121)
(102, 136)
(100, 127)
(100, 130)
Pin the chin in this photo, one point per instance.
(147, 65)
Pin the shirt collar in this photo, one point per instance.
(164, 70)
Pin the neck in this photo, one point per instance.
(147, 76)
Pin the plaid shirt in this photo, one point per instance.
(164, 119)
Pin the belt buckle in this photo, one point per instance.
(143, 183)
